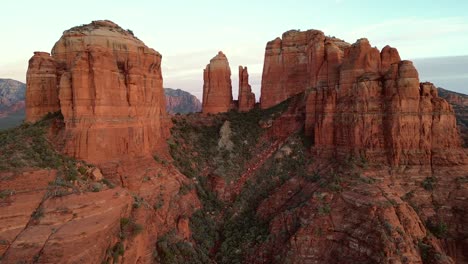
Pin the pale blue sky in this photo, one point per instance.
(189, 33)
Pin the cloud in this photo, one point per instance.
(14, 70)
(448, 72)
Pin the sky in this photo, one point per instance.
(189, 33)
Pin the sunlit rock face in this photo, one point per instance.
(108, 86)
(217, 86)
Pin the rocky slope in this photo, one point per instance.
(182, 102)
(459, 102)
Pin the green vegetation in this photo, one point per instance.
(38, 213)
(27, 146)
(324, 210)
(137, 201)
(185, 189)
(113, 254)
(438, 229)
(237, 230)
(429, 183)
(6, 193)
(170, 249)
(229, 234)
(128, 227)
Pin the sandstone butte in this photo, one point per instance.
(246, 98)
(217, 86)
(360, 100)
(107, 85)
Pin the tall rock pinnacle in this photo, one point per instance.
(246, 97)
(217, 87)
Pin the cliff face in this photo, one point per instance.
(460, 105)
(42, 90)
(217, 87)
(292, 64)
(378, 109)
(179, 101)
(361, 101)
(108, 86)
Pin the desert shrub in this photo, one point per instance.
(185, 189)
(429, 183)
(324, 210)
(128, 226)
(82, 170)
(170, 249)
(6, 193)
(38, 213)
(438, 229)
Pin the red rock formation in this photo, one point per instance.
(217, 87)
(359, 99)
(246, 97)
(378, 109)
(41, 91)
(110, 92)
(389, 56)
(293, 63)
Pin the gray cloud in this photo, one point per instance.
(448, 72)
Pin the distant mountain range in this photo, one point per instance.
(12, 102)
(179, 101)
(12, 95)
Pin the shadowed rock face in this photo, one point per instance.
(108, 86)
(217, 87)
(246, 97)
